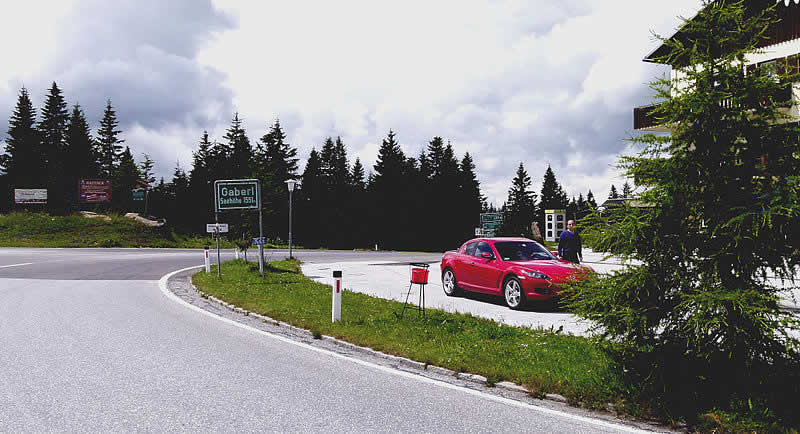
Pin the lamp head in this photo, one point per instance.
(291, 183)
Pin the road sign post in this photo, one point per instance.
(240, 194)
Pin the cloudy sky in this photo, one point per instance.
(533, 81)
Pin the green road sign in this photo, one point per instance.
(138, 194)
(237, 194)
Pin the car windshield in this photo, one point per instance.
(522, 251)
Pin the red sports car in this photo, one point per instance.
(519, 269)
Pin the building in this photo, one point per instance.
(781, 48)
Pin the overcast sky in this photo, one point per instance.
(533, 81)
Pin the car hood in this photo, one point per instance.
(557, 270)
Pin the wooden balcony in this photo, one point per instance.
(644, 118)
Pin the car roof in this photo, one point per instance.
(496, 239)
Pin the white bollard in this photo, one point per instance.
(208, 262)
(236, 252)
(336, 305)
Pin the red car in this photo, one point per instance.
(519, 269)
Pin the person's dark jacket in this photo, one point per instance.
(569, 247)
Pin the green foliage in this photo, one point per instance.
(542, 360)
(694, 323)
(108, 141)
(520, 208)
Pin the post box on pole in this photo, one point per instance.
(336, 305)
(208, 262)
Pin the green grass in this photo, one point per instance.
(542, 360)
(23, 229)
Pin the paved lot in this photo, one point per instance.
(390, 280)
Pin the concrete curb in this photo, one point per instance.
(394, 361)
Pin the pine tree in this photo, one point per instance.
(590, 202)
(275, 163)
(52, 132)
(552, 196)
(200, 188)
(146, 170)
(470, 198)
(520, 207)
(695, 323)
(124, 182)
(627, 190)
(81, 156)
(309, 200)
(23, 162)
(108, 141)
(612, 193)
(241, 153)
(391, 196)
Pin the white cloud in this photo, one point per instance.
(531, 81)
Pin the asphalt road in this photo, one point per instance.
(91, 342)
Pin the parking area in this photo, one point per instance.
(391, 280)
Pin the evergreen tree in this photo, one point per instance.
(108, 141)
(146, 170)
(553, 196)
(52, 132)
(590, 202)
(23, 162)
(696, 324)
(275, 163)
(613, 194)
(520, 207)
(357, 181)
(627, 190)
(309, 201)
(124, 182)
(201, 209)
(391, 196)
(241, 153)
(81, 157)
(471, 201)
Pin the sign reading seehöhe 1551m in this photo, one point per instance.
(237, 194)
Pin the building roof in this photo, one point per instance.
(662, 50)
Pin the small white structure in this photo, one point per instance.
(555, 222)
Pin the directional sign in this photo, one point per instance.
(490, 222)
(237, 194)
(211, 227)
(138, 194)
(259, 241)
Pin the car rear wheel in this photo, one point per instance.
(449, 284)
(512, 292)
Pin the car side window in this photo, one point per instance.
(470, 248)
(483, 247)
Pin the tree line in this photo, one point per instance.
(431, 201)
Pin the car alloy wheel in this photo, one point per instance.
(512, 290)
(449, 282)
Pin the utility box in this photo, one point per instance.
(555, 222)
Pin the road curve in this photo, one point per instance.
(92, 343)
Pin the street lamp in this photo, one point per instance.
(290, 183)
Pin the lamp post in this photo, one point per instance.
(291, 183)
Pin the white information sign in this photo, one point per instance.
(30, 195)
(211, 227)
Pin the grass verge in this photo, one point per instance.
(541, 360)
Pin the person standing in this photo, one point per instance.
(569, 244)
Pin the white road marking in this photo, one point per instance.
(162, 283)
(16, 265)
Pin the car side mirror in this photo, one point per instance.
(487, 255)
(554, 253)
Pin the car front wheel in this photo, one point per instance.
(449, 284)
(512, 291)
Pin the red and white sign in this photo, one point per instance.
(94, 190)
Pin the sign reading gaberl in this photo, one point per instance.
(237, 194)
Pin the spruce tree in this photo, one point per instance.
(23, 161)
(627, 190)
(108, 141)
(391, 196)
(612, 193)
(241, 153)
(309, 200)
(520, 207)
(124, 182)
(81, 156)
(471, 201)
(146, 170)
(52, 132)
(552, 196)
(200, 188)
(275, 163)
(696, 324)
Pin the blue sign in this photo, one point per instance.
(259, 241)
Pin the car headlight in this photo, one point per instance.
(537, 275)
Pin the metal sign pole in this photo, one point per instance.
(260, 236)
(216, 232)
